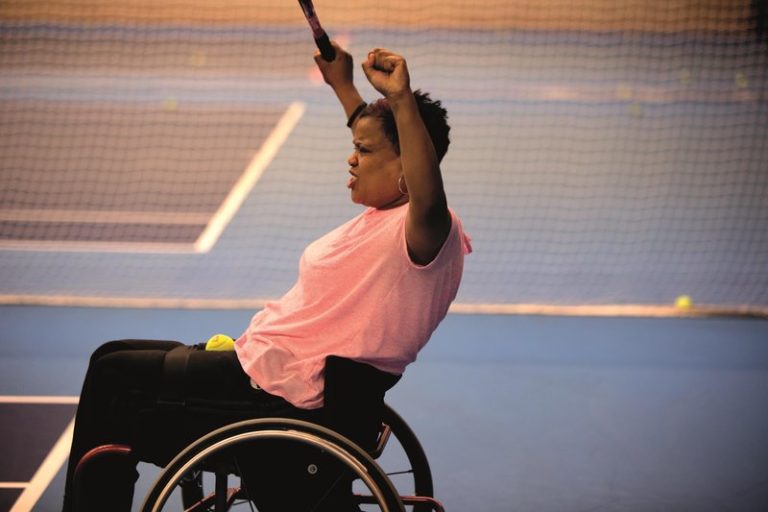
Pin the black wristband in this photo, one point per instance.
(356, 113)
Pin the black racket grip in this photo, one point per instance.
(326, 50)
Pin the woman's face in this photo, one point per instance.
(374, 166)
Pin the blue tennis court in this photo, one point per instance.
(160, 179)
(515, 412)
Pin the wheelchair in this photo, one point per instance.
(360, 455)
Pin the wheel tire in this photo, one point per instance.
(341, 448)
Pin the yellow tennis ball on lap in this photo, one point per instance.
(220, 342)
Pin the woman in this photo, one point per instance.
(372, 290)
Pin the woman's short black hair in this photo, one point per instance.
(433, 114)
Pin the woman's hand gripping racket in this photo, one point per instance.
(321, 38)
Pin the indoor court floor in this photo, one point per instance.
(528, 413)
(554, 160)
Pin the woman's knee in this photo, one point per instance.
(111, 347)
(108, 348)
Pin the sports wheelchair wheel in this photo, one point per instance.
(399, 453)
(227, 449)
(403, 459)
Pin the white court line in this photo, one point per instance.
(69, 246)
(46, 472)
(13, 485)
(33, 489)
(248, 179)
(37, 399)
(103, 217)
(215, 224)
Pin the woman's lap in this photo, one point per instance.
(120, 400)
(130, 384)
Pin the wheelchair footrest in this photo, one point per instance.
(233, 494)
(407, 500)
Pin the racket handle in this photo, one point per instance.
(326, 50)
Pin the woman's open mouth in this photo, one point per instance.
(351, 181)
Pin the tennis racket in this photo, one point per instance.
(321, 38)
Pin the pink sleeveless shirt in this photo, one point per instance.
(358, 295)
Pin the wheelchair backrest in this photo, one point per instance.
(354, 399)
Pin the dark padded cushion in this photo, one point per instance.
(354, 398)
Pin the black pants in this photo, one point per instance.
(118, 404)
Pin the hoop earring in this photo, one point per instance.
(400, 186)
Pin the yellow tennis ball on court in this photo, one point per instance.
(683, 302)
(220, 342)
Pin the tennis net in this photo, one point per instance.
(604, 153)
